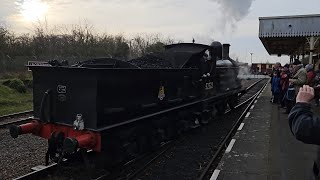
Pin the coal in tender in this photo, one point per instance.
(154, 61)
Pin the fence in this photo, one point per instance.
(252, 76)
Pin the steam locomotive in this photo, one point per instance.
(120, 109)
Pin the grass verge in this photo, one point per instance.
(12, 101)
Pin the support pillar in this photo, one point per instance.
(311, 44)
(312, 41)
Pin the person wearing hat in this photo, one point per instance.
(299, 78)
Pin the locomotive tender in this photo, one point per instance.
(120, 110)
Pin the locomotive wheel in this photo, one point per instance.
(182, 123)
(213, 113)
(145, 138)
(221, 108)
(206, 116)
(55, 144)
(143, 145)
(171, 130)
(160, 129)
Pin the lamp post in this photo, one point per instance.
(252, 70)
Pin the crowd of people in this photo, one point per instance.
(286, 81)
(294, 86)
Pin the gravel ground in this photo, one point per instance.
(19, 155)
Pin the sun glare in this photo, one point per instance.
(33, 10)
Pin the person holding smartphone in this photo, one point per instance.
(304, 126)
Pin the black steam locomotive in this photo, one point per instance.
(120, 109)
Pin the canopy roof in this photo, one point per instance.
(288, 34)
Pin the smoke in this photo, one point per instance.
(244, 70)
(233, 11)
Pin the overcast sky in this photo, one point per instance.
(229, 21)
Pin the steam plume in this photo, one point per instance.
(233, 10)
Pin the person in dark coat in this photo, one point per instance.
(276, 69)
(304, 126)
(284, 83)
(316, 86)
(275, 87)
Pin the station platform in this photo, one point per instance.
(264, 148)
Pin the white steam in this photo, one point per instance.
(244, 70)
(233, 11)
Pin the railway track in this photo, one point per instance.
(220, 146)
(15, 118)
(252, 85)
(225, 141)
(135, 167)
(15, 114)
(135, 174)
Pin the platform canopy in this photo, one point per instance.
(290, 35)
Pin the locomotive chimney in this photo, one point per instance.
(225, 53)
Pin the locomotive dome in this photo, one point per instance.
(216, 44)
(218, 48)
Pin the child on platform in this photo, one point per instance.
(275, 87)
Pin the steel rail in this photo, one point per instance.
(151, 156)
(136, 173)
(38, 173)
(15, 114)
(252, 85)
(227, 138)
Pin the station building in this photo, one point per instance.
(262, 68)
